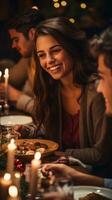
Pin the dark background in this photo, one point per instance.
(96, 17)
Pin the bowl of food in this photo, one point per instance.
(26, 148)
(92, 193)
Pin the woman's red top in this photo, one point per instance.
(70, 137)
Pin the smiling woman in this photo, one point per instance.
(67, 103)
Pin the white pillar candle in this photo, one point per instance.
(35, 165)
(11, 156)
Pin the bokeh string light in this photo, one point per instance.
(59, 3)
(83, 5)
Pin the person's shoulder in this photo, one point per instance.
(92, 93)
(24, 60)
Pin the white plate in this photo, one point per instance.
(12, 120)
(81, 191)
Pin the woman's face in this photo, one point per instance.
(105, 83)
(53, 58)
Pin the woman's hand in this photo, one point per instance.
(57, 170)
(15, 131)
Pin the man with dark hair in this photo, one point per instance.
(22, 30)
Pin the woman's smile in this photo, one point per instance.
(53, 58)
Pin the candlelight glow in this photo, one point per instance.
(13, 191)
(7, 176)
(12, 144)
(17, 175)
(37, 155)
(12, 141)
(6, 72)
(0, 73)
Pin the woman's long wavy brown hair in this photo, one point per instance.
(75, 43)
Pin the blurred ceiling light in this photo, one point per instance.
(63, 3)
(83, 5)
(72, 20)
(56, 5)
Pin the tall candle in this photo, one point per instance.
(35, 165)
(0, 74)
(5, 182)
(11, 156)
(6, 76)
(1, 92)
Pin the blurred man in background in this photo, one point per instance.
(22, 30)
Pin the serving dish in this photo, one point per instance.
(27, 147)
(12, 120)
(81, 191)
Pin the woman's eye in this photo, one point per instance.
(57, 50)
(41, 55)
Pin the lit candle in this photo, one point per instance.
(1, 92)
(13, 193)
(0, 74)
(17, 177)
(11, 156)
(6, 76)
(35, 165)
(5, 182)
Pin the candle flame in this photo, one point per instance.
(6, 75)
(7, 176)
(12, 145)
(37, 155)
(12, 141)
(17, 175)
(13, 191)
(0, 73)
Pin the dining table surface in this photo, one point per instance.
(22, 164)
